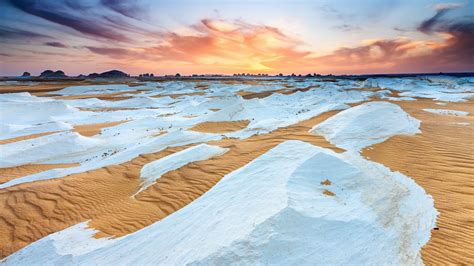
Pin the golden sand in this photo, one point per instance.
(41, 88)
(10, 173)
(220, 127)
(34, 210)
(32, 136)
(251, 95)
(441, 160)
(90, 130)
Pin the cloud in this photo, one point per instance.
(64, 14)
(427, 25)
(446, 6)
(459, 43)
(229, 46)
(453, 53)
(402, 30)
(225, 45)
(347, 27)
(377, 55)
(55, 44)
(112, 52)
(234, 44)
(441, 9)
(12, 33)
(129, 9)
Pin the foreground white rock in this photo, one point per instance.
(264, 213)
(154, 170)
(366, 124)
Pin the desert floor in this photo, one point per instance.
(440, 158)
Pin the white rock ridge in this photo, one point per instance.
(264, 213)
(366, 124)
(154, 170)
(54, 149)
(60, 145)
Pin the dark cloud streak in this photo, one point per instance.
(427, 25)
(347, 27)
(460, 45)
(11, 33)
(111, 52)
(55, 44)
(63, 15)
(129, 9)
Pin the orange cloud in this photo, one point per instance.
(230, 46)
(219, 46)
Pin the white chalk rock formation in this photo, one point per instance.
(366, 124)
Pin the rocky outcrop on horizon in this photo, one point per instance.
(146, 75)
(52, 74)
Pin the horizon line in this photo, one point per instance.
(297, 74)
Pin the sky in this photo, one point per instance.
(227, 37)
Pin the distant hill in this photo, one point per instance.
(109, 74)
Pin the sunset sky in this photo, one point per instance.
(165, 37)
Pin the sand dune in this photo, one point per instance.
(220, 127)
(440, 159)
